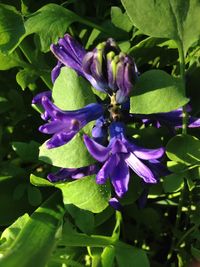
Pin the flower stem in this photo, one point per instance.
(182, 77)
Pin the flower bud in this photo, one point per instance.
(114, 71)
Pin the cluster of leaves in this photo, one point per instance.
(73, 224)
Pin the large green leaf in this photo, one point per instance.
(156, 91)
(86, 194)
(184, 149)
(71, 91)
(50, 22)
(174, 19)
(11, 28)
(132, 257)
(37, 238)
(71, 155)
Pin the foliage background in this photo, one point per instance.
(166, 231)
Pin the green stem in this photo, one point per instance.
(178, 217)
(182, 76)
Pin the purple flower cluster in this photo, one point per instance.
(113, 73)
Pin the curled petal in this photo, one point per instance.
(60, 138)
(98, 151)
(74, 173)
(140, 169)
(56, 71)
(38, 98)
(147, 154)
(115, 203)
(120, 176)
(106, 170)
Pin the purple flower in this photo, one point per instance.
(99, 131)
(72, 173)
(172, 119)
(115, 71)
(106, 67)
(121, 154)
(65, 124)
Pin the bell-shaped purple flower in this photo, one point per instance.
(72, 173)
(65, 124)
(121, 154)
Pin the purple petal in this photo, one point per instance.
(140, 169)
(69, 52)
(115, 203)
(117, 146)
(146, 154)
(60, 139)
(106, 170)
(54, 127)
(98, 151)
(120, 176)
(56, 71)
(193, 122)
(74, 173)
(38, 98)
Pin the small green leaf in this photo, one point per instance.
(71, 91)
(34, 196)
(151, 91)
(173, 19)
(120, 20)
(50, 22)
(184, 149)
(27, 151)
(38, 181)
(71, 155)
(26, 78)
(11, 28)
(86, 194)
(173, 183)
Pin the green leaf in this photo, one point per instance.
(11, 28)
(26, 78)
(120, 20)
(131, 257)
(38, 181)
(173, 19)
(8, 61)
(86, 194)
(34, 195)
(108, 256)
(38, 236)
(27, 151)
(10, 234)
(50, 22)
(173, 183)
(71, 91)
(84, 219)
(184, 149)
(71, 155)
(151, 91)
(195, 253)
